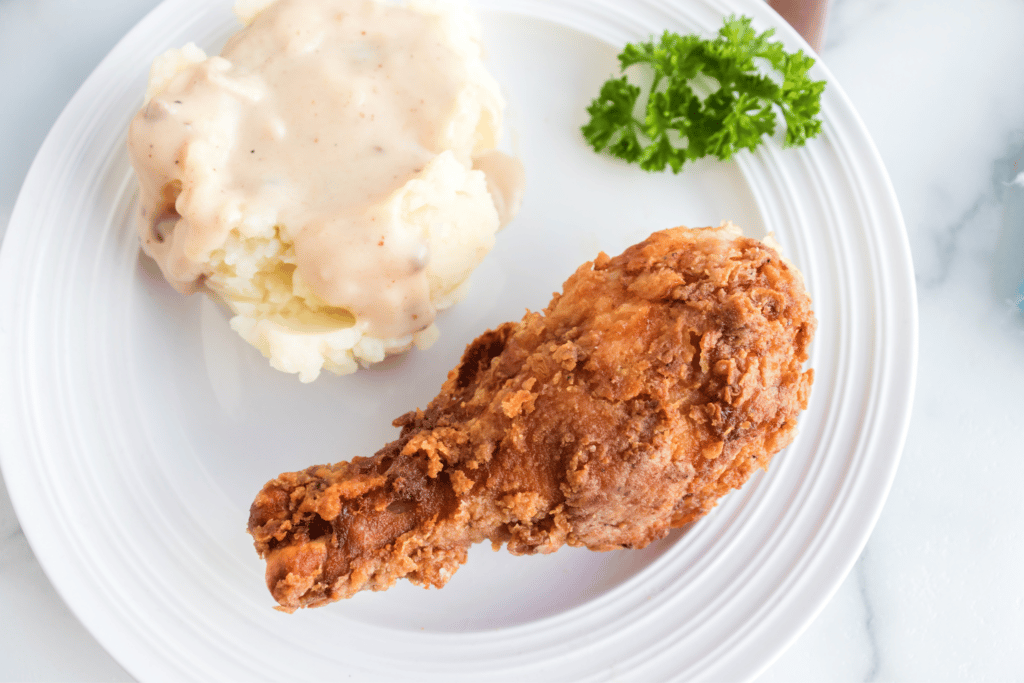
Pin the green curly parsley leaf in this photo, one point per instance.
(679, 124)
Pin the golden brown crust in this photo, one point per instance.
(656, 382)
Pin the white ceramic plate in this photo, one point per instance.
(135, 429)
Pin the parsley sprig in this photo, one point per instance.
(682, 122)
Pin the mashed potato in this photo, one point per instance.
(331, 176)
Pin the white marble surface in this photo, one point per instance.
(937, 593)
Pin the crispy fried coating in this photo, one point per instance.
(656, 382)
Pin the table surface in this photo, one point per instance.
(936, 594)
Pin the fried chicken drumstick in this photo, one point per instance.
(656, 382)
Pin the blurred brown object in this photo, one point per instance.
(806, 16)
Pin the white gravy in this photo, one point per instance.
(333, 105)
